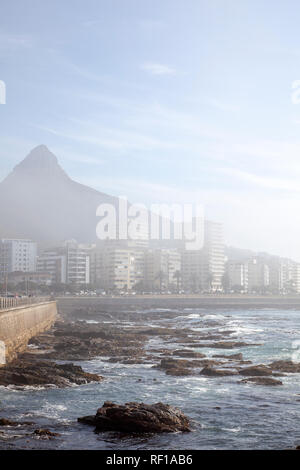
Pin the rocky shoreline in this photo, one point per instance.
(127, 338)
(176, 353)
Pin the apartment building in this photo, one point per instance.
(237, 276)
(204, 269)
(162, 269)
(17, 255)
(117, 267)
(53, 262)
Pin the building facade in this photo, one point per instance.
(17, 255)
(203, 270)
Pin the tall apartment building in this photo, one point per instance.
(204, 269)
(258, 274)
(55, 264)
(297, 277)
(117, 267)
(17, 255)
(237, 275)
(162, 266)
(77, 263)
(68, 264)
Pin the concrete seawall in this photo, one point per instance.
(19, 324)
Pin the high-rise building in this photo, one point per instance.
(162, 269)
(237, 276)
(258, 274)
(54, 263)
(17, 255)
(204, 269)
(118, 268)
(78, 263)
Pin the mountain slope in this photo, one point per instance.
(38, 200)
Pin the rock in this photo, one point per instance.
(285, 366)
(138, 418)
(210, 372)
(8, 422)
(37, 372)
(262, 381)
(187, 353)
(45, 433)
(169, 364)
(259, 370)
(230, 344)
(91, 420)
(238, 357)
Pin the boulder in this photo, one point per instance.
(211, 372)
(262, 381)
(238, 357)
(285, 366)
(259, 370)
(8, 422)
(35, 372)
(187, 353)
(138, 418)
(45, 433)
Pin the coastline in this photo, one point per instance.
(159, 353)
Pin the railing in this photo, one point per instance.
(11, 302)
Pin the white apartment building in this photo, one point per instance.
(237, 275)
(77, 263)
(117, 267)
(55, 264)
(17, 255)
(204, 269)
(258, 274)
(161, 269)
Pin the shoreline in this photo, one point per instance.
(164, 352)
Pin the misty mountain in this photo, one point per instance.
(38, 200)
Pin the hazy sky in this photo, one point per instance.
(163, 101)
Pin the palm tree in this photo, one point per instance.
(210, 279)
(225, 281)
(177, 276)
(160, 275)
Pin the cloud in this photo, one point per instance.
(222, 106)
(157, 69)
(264, 181)
(15, 41)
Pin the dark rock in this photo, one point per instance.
(211, 372)
(262, 381)
(238, 357)
(138, 418)
(36, 372)
(8, 422)
(45, 433)
(285, 366)
(230, 344)
(187, 353)
(259, 370)
(91, 420)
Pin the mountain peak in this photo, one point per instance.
(39, 156)
(39, 161)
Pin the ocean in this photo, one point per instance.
(225, 414)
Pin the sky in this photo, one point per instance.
(164, 102)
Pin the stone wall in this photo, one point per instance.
(19, 324)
